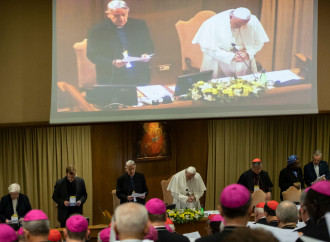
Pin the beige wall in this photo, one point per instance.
(26, 59)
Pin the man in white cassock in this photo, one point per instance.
(187, 187)
(229, 41)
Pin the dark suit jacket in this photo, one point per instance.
(6, 207)
(310, 175)
(104, 46)
(287, 178)
(124, 188)
(60, 195)
(217, 236)
(247, 180)
(164, 236)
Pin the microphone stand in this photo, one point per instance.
(237, 52)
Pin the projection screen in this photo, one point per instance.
(159, 60)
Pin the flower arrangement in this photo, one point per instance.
(184, 215)
(226, 90)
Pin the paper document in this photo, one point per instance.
(320, 178)
(138, 194)
(192, 236)
(135, 58)
(154, 92)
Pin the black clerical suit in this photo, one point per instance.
(106, 43)
(217, 236)
(7, 210)
(63, 189)
(262, 220)
(125, 187)
(310, 175)
(249, 179)
(287, 178)
(164, 236)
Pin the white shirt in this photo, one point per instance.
(14, 205)
(317, 170)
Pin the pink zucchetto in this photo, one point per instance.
(20, 231)
(34, 215)
(215, 218)
(77, 224)
(105, 235)
(7, 233)
(322, 187)
(234, 196)
(156, 206)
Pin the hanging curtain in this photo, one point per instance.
(36, 157)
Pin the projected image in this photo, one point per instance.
(140, 60)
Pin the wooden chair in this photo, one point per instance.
(292, 194)
(167, 196)
(115, 200)
(258, 196)
(86, 69)
(72, 98)
(191, 54)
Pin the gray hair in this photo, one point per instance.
(116, 4)
(37, 227)
(317, 153)
(14, 188)
(287, 212)
(130, 163)
(303, 197)
(131, 218)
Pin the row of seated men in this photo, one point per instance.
(292, 175)
(136, 222)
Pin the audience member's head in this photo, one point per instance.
(287, 214)
(157, 211)
(76, 228)
(303, 215)
(104, 235)
(20, 234)
(317, 200)
(250, 235)
(7, 233)
(36, 225)
(213, 223)
(54, 235)
(152, 234)
(259, 211)
(131, 221)
(235, 202)
(270, 209)
(169, 225)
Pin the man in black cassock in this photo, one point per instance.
(256, 178)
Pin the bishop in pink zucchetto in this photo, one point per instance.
(157, 216)
(104, 235)
(76, 228)
(317, 203)
(36, 226)
(234, 196)
(155, 206)
(20, 231)
(7, 233)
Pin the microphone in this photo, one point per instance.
(237, 52)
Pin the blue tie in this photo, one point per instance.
(131, 181)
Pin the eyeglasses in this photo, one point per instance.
(255, 164)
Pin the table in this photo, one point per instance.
(199, 226)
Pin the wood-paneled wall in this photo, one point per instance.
(112, 146)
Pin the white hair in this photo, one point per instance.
(131, 218)
(130, 163)
(116, 4)
(287, 212)
(191, 170)
(14, 188)
(259, 210)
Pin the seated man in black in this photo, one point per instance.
(131, 182)
(113, 39)
(270, 213)
(14, 205)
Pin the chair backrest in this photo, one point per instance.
(186, 31)
(258, 197)
(292, 194)
(107, 216)
(167, 196)
(73, 98)
(115, 200)
(86, 69)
